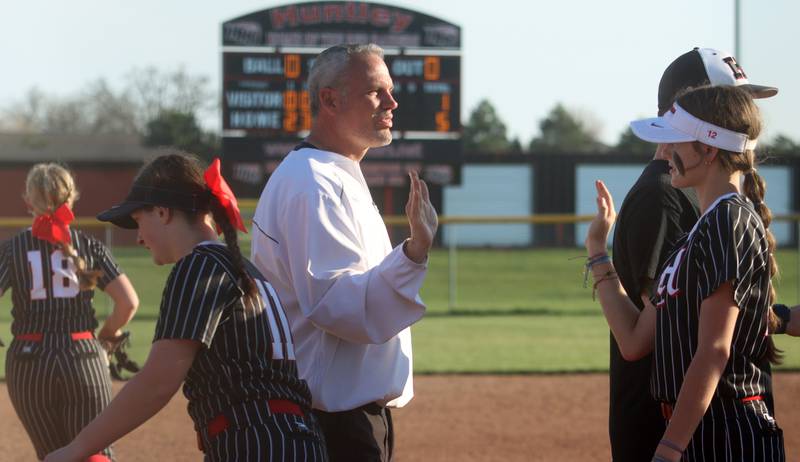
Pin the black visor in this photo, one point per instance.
(143, 196)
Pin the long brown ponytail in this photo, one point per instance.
(232, 241)
(755, 189)
(733, 108)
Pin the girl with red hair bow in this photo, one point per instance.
(56, 370)
(221, 329)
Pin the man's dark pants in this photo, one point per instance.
(364, 434)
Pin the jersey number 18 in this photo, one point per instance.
(64, 277)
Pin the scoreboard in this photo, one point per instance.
(266, 94)
(266, 59)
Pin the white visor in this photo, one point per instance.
(678, 126)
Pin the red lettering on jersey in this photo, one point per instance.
(668, 281)
(712, 134)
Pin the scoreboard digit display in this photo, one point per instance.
(266, 59)
(428, 92)
(266, 94)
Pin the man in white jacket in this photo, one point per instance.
(320, 240)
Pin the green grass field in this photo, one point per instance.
(517, 311)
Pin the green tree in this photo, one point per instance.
(562, 131)
(485, 132)
(631, 144)
(515, 146)
(179, 130)
(782, 145)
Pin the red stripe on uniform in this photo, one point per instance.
(30, 337)
(86, 335)
(282, 406)
(37, 337)
(98, 458)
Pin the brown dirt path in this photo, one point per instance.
(453, 418)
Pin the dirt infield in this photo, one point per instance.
(454, 417)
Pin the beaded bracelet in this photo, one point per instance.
(610, 272)
(597, 255)
(602, 258)
(591, 261)
(610, 275)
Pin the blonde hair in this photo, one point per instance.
(47, 187)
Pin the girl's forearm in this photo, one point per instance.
(141, 398)
(699, 385)
(633, 330)
(125, 304)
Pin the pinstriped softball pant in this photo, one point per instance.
(735, 432)
(275, 438)
(57, 386)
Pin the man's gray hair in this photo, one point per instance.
(329, 68)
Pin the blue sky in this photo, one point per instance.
(602, 59)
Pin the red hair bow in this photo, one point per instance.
(54, 227)
(220, 189)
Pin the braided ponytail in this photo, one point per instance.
(755, 189)
(87, 279)
(232, 241)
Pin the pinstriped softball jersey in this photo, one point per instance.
(57, 385)
(46, 296)
(728, 243)
(248, 359)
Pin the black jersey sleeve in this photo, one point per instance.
(733, 248)
(649, 225)
(5, 266)
(103, 261)
(194, 300)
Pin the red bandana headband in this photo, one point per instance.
(54, 227)
(220, 189)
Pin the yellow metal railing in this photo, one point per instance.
(395, 220)
(248, 207)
